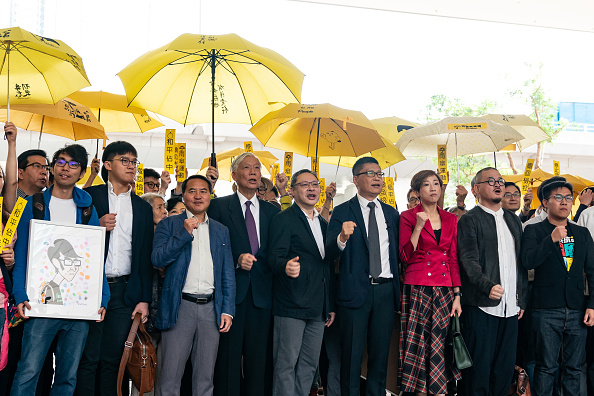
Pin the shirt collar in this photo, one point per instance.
(364, 201)
(499, 213)
(315, 212)
(190, 216)
(110, 189)
(243, 199)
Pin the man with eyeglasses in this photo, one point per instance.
(560, 252)
(364, 233)
(412, 199)
(33, 172)
(64, 202)
(301, 287)
(493, 285)
(128, 220)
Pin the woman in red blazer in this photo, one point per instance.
(431, 292)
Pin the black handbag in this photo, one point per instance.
(460, 357)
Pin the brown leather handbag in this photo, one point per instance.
(520, 384)
(139, 359)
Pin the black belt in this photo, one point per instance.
(198, 300)
(118, 279)
(379, 281)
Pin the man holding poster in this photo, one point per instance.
(70, 205)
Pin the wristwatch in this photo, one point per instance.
(458, 294)
(463, 207)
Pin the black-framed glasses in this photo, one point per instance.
(262, 190)
(413, 199)
(491, 181)
(151, 184)
(68, 262)
(61, 162)
(305, 184)
(37, 166)
(126, 161)
(509, 195)
(371, 174)
(560, 198)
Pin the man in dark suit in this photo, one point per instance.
(560, 253)
(198, 300)
(364, 232)
(248, 220)
(128, 245)
(301, 288)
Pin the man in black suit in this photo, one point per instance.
(248, 220)
(560, 252)
(301, 288)
(364, 232)
(128, 246)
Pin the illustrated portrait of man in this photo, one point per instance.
(67, 264)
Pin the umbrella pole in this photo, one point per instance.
(213, 156)
(494, 160)
(337, 165)
(98, 119)
(40, 132)
(7, 85)
(317, 141)
(457, 164)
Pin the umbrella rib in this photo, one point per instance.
(204, 65)
(309, 139)
(242, 92)
(33, 65)
(346, 133)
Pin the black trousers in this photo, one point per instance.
(370, 324)
(492, 343)
(249, 337)
(98, 368)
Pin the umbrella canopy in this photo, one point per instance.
(65, 118)
(114, 114)
(529, 129)
(462, 135)
(225, 158)
(386, 156)
(36, 69)
(318, 131)
(199, 78)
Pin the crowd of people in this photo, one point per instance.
(262, 293)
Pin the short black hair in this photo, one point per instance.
(300, 172)
(77, 152)
(171, 202)
(23, 158)
(362, 161)
(185, 182)
(150, 172)
(553, 179)
(116, 148)
(512, 184)
(550, 187)
(275, 191)
(475, 180)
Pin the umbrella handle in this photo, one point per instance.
(213, 160)
(7, 85)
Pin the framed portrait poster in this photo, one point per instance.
(65, 270)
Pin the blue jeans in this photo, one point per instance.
(37, 338)
(557, 329)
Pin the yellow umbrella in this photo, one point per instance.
(96, 182)
(318, 131)
(177, 80)
(225, 158)
(36, 69)
(386, 156)
(529, 129)
(65, 118)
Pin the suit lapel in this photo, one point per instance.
(212, 236)
(237, 218)
(577, 240)
(264, 221)
(305, 224)
(137, 220)
(356, 209)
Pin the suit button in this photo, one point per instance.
(428, 253)
(443, 274)
(428, 262)
(443, 262)
(429, 274)
(445, 252)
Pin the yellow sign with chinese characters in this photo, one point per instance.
(181, 162)
(139, 179)
(389, 181)
(169, 159)
(442, 162)
(322, 193)
(13, 221)
(288, 164)
(477, 125)
(275, 170)
(527, 173)
(383, 196)
(556, 168)
(248, 147)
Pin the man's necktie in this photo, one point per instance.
(250, 224)
(375, 258)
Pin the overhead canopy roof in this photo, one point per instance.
(573, 15)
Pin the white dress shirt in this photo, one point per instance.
(316, 229)
(383, 234)
(254, 207)
(119, 255)
(586, 220)
(200, 276)
(539, 215)
(506, 249)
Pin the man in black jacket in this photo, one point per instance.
(493, 287)
(300, 289)
(560, 253)
(248, 220)
(128, 220)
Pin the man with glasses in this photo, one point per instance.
(412, 199)
(493, 285)
(364, 233)
(64, 202)
(33, 172)
(128, 220)
(560, 252)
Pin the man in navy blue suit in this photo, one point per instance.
(198, 300)
(364, 231)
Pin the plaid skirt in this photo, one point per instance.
(424, 325)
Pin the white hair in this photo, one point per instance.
(239, 159)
